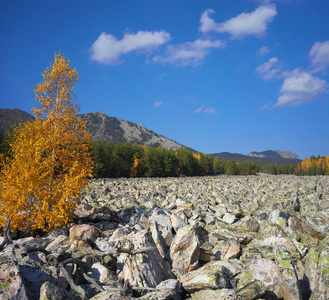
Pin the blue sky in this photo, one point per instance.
(214, 75)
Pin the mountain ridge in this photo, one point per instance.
(101, 127)
(258, 159)
(116, 130)
(274, 154)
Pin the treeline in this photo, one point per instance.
(130, 160)
(275, 168)
(313, 166)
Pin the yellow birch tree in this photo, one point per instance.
(51, 160)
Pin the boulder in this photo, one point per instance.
(169, 289)
(49, 291)
(11, 282)
(185, 249)
(267, 271)
(249, 288)
(222, 294)
(288, 280)
(214, 277)
(317, 268)
(84, 232)
(145, 269)
(247, 223)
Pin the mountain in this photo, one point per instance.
(262, 158)
(103, 127)
(274, 154)
(12, 117)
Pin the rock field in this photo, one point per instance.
(220, 237)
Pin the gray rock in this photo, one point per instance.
(222, 294)
(185, 249)
(267, 272)
(316, 268)
(248, 287)
(49, 291)
(11, 282)
(212, 277)
(167, 290)
(288, 280)
(146, 269)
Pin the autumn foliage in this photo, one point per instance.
(50, 159)
(314, 166)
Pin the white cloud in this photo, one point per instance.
(189, 53)
(200, 109)
(206, 110)
(266, 105)
(107, 49)
(319, 55)
(300, 87)
(254, 23)
(158, 103)
(264, 50)
(270, 69)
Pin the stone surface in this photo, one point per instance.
(145, 269)
(219, 237)
(167, 290)
(11, 282)
(49, 291)
(267, 271)
(317, 268)
(215, 277)
(84, 232)
(220, 294)
(288, 280)
(185, 249)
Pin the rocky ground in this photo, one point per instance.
(223, 237)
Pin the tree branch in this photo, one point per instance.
(6, 235)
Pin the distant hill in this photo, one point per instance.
(12, 117)
(101, 127)
(274, 154)
(262, 159)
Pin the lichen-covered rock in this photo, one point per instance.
(248, 287)
(316, 227)
(167, 290)
(266, 271)
(49, 291)
(279, 217)
(214, 277)
(252, 253)
(11, 282)
(235, 266)
(288, 280)
(222, 294)
(276, 227)
(317, 296)
(247, 223)
(317, 268)
(111, 295)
